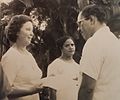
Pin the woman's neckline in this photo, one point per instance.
(21, 50)
(66, 60)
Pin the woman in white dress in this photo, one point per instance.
(64, 73)
(18, 64)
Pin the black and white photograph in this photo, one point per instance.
(59, 49)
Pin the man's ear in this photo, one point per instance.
(92, 19)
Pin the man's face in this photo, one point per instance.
(84, 25)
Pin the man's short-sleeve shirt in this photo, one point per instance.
(101, 61)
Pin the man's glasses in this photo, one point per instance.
(81, 20)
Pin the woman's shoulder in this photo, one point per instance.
(76, 63)
(56, 61)
(77, 66)
(11, 53)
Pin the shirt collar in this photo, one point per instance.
(103, 30)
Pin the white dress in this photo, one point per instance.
(65, 77)
(22, 71)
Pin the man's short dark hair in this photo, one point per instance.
(94, 10)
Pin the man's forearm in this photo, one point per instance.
(87, 88)
(85, 94)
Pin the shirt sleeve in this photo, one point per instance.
(11, 66)
(4, 84)
(53, 78)
(53, 69)
(92, 59)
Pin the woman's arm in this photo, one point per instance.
(15, 93)
(4, 85)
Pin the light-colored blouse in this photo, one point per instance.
(66, 78)
(22, 71)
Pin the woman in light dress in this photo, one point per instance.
(64, 73)
(18, 64)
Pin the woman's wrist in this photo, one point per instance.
(37, 89)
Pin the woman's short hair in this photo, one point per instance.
(15, 25)
(60, 42)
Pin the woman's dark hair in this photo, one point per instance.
(60, 42)
(94, 10)
(15, 25)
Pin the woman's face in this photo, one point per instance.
(26, 34)
(68, 48)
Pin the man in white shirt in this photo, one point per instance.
(100, 61)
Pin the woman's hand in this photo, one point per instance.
(37, 88)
